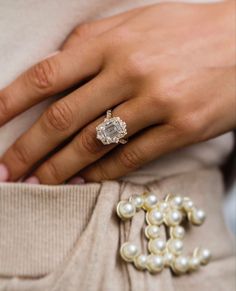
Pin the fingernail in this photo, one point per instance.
(4, 173)
(76, 180)
(32, 180)
(51, 55)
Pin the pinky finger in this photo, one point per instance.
(142, 149)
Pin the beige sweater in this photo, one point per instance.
(67, 237)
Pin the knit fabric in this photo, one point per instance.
(51, 239)
(67, 238)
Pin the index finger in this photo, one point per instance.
(49, 77)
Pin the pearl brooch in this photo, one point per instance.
(157, 246)
(204, 255)
(140, 262)
(129, 251)
(150, 201)
(152, 231)
(168, 259)
(155, 263)
(188, 204)
(177, 202)
(177, 232)
(181, 265)
(126, 210)
(155, 216)
(170, 213)
(137, 200)
(197, 216)
(175, 246)
(173, 217)
(194, 263)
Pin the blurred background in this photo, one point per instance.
(229, 170)
(230, 208)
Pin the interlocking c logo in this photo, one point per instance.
(171, 212)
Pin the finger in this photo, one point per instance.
(144, 148)
(49, 77)
(61, 120)
(86, 148)
(92, 29)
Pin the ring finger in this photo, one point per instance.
(85, 148)
(60, 121)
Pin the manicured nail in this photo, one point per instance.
(4, 173)
(32, 180)
(76, 180)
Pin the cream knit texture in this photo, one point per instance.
(72, 248)
(44, 222)
(67, 238)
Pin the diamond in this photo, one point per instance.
(111, 130)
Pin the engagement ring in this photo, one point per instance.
(111, 130)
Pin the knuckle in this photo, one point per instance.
(82, 31)
(158, 98)
(21, 153)
(196, 124)
(5, 107)
(131, 159)
(137, 63)
(43, 75)
(58, 117)
(136, 66)
(100, 173)
(119, 36)
(191, 127)
(154, 101)
(89, 142)
(167, 93)
(52, 171)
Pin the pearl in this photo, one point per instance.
(181, 264)
(125, 209)
(155, 263)
(204, 255)
(128, 251)
(188, 204)
(163, 206)
(169, 197)
(177, 202)
(168, 259)
(175, 246)
(137, 200)
(177, 232)
(150, 201)
(152, 231)
(157, 246)
(170, 212)
(140, 262)
(194, 263)
(173, 218)
(197, 216)
(155, 217)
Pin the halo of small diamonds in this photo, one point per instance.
(111, 130)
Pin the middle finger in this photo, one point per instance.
(85, 148)
(62, 120)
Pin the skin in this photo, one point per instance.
(167, 70)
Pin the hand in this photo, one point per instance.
(168, 70)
